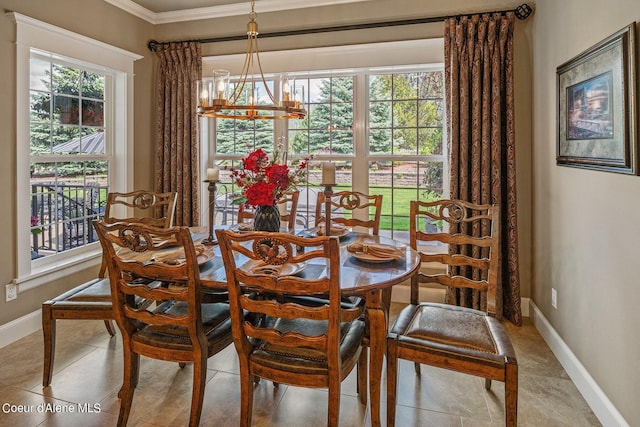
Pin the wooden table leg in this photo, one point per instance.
(377, 342)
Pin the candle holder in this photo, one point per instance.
(328, 193)
(211, 240)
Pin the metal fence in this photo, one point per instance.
(62, 215)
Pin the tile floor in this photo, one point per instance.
(88, 373)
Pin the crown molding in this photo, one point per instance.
(217, 11)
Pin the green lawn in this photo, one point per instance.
(396, 204)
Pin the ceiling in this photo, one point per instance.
(167, 11)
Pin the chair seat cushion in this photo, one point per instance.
(451, 329)
(216, 325)
(95, 290)
(301, 359)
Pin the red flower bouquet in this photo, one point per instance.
(264, 181)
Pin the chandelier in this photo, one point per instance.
(245, 101)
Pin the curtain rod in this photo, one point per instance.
(522, 12)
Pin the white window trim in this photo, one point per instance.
(34, 34)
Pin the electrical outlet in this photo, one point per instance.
(11, 292)
(554, 298)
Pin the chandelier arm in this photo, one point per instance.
(271, 97)
(244, 72)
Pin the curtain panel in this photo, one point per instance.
(481, 139)
(178, 149)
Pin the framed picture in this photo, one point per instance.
(597, 106)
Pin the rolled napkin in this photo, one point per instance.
(175, 257)
(245, 226)
(272, 270)
(336, 229)
(378, 250)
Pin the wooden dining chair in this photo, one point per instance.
(300, 345)
(181, 328)
(350, 208)
(92, 300)
(451, 337)
(289, 204)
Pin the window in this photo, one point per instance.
(72, 145)
(371, 110)
(69, 155)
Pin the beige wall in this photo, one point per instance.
(101, 21)
(586, 227)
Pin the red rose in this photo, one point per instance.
(254, 160)
(260, 193)
(278, 175)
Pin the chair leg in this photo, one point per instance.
(199, 383)
(511, 395)
(363, 374)
(246, 396)
(416, 366)
(487, 383)
(49, 336)
(110, 328)
(334, 401)
(392, 381)
(131, 369)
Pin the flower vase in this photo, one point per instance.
(266, 218)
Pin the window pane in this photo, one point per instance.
(40, 139)
(431, 113)
(405, 141)
(66, 110)
(92, 85)
(430, 141)
(431, 84)
(65, 80)
(243, 136)
(380, 87)
(92, 113)
(40, 74)
(40, 106)
(405, 114)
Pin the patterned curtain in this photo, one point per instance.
(480, 124)
(178, 150)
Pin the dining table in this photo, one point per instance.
(362, 276)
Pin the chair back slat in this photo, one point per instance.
(454, 281)
(151, 263)
(148, 318)
(149, 207)
(287, 339)
(284, 310)
(349, 208)
(469, 236)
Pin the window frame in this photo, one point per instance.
(38, 35)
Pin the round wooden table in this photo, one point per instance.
(369, 280)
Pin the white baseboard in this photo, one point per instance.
(600, 404)
(20, 327)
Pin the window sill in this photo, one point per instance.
(57, 270)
